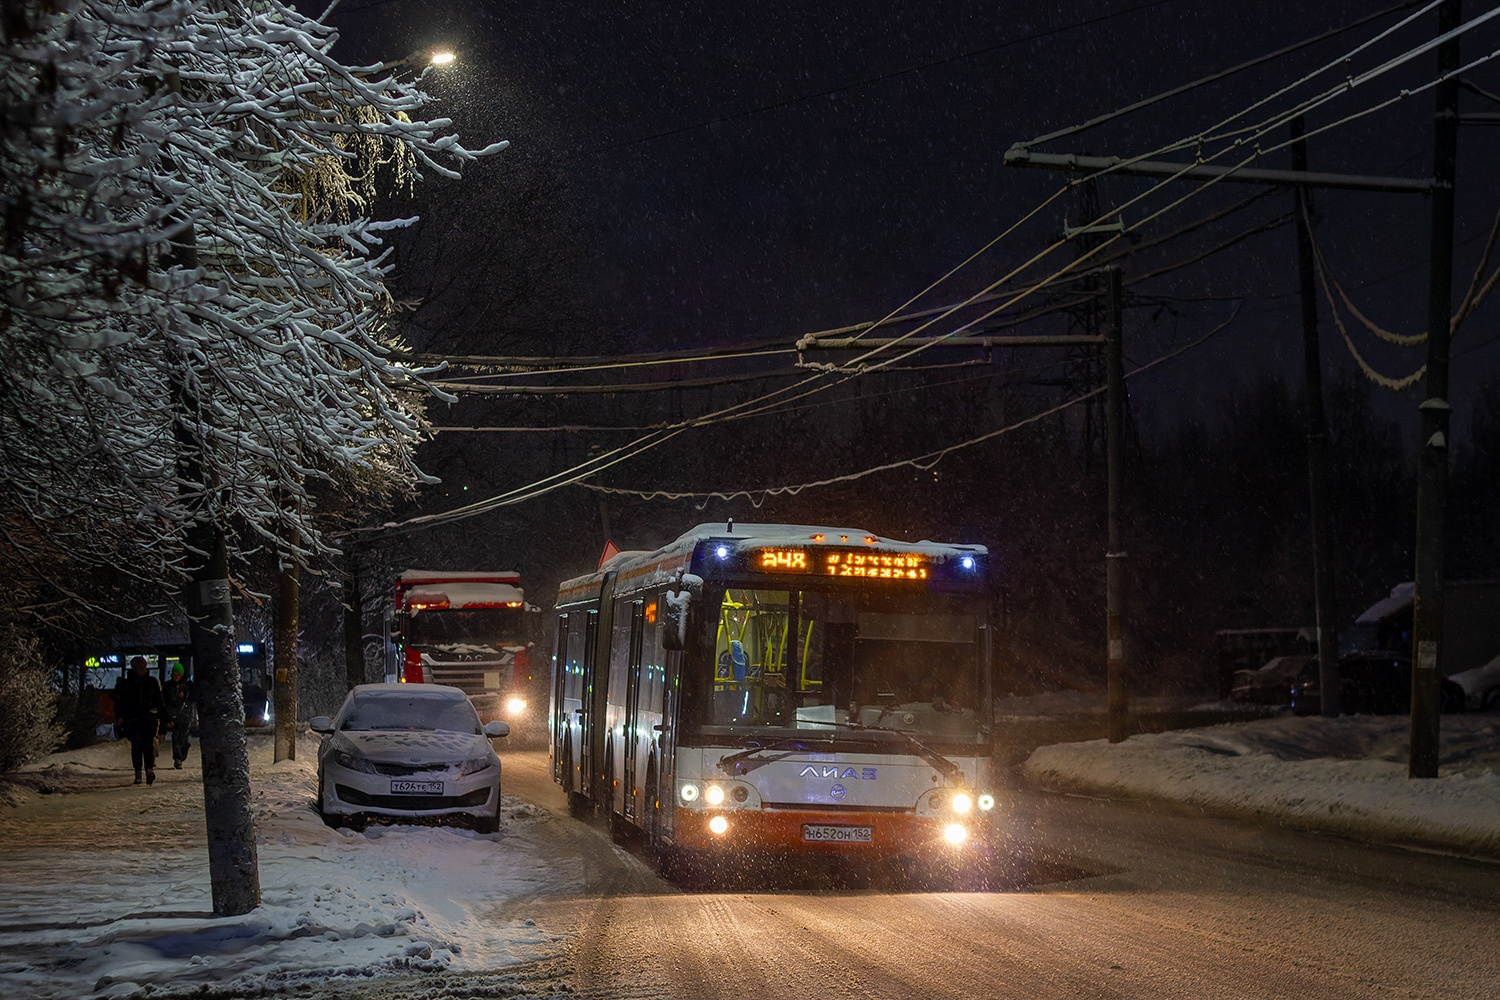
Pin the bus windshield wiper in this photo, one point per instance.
(730, 763)
(941, 764)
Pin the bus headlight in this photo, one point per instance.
(713, 795)
(718, 825)
(962, 803)
(986, 802)
(516, 705)
(689, 793)
(955, 833)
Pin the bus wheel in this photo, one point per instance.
(578, 803)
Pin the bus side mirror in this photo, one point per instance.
(677, 613)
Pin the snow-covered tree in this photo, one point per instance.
(193, 311)
(191, 278)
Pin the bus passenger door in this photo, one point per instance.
(632, 709)
(560, 715)
(585, 720)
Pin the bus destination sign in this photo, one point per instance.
(876, 565)
(782, 561)
(864, 565)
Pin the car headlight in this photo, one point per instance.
(475, 766)
(354, 763)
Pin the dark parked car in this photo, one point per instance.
(1372, 683)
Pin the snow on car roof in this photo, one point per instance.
(407, 691)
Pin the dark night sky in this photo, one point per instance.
(836, 208)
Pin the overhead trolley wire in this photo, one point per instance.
(625, 452)
(924, 462)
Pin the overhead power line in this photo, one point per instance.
(1243, 139)
(924, 462)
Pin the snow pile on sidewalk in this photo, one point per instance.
(107, 891)
(1345, 776)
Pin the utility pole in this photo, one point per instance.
(1320, 516)
(1432, 444)
(1114, 558)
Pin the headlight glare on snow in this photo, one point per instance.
(713, 795)
(962, 803)
(354, 763)
(955, 833)
(719, 825)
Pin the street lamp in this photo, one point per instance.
(443, 57)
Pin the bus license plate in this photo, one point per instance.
(416, 787)
(814, 834)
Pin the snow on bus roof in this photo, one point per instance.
(751, 535)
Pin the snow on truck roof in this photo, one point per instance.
(443, 575)
(757, 535)
(464, 594)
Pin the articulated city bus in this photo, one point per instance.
(780, 688)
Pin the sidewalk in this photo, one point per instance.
(1346, 776)
(106, 886)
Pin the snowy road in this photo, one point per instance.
(1120, 901)
(102, 893)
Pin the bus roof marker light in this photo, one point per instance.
(722, 552)
(870, 539)
(967, 562)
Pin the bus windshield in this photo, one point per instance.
(465, 626)
(832, 660)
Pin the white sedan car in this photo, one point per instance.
(408, 753)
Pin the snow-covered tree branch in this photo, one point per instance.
(192, 280)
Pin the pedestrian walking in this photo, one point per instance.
(177, 696)
(139, 710)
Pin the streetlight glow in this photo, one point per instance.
(443, 58)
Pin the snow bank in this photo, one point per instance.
(1344, 776)
(107, 892)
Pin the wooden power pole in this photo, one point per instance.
(1114, 558)
(1432, 443)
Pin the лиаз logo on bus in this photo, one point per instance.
(858, 774)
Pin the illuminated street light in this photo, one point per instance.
(442, 58)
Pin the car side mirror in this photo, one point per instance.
(321, 724)
(677, 614)
(495, 730)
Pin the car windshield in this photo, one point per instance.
(907, 661)
(442, 626)
(408, 713)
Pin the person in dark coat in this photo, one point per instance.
(139, 710)
(177, 696)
